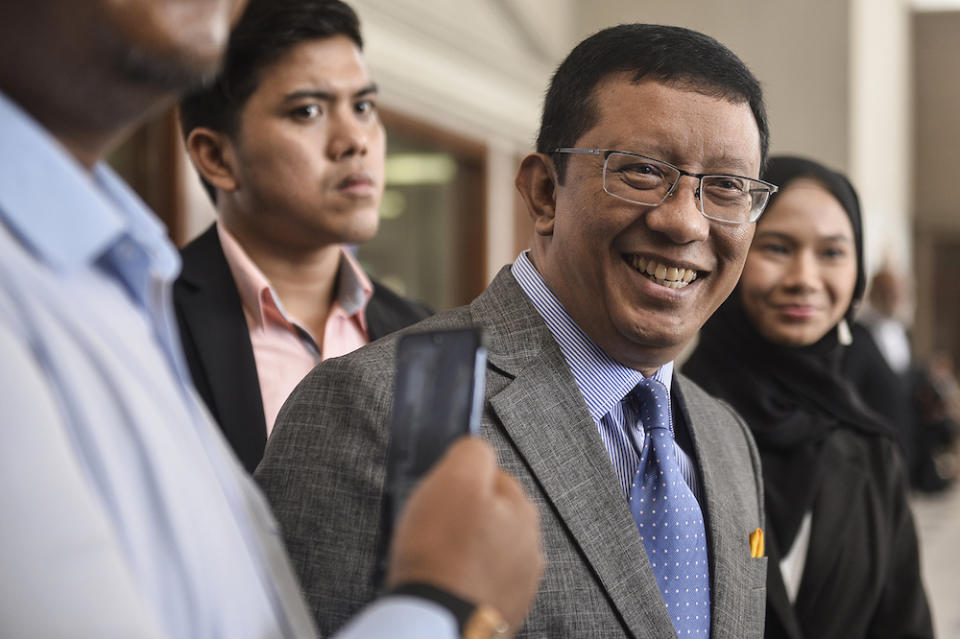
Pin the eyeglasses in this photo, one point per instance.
(643, 180)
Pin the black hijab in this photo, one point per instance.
(791, 397)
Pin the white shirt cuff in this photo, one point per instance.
(401, 617)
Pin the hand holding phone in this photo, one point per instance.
(438, 397)
(469, 529)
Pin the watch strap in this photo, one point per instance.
(460, 608)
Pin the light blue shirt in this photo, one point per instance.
(602, 380)
(122, 511)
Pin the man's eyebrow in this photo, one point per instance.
(327, 96)
(731, 165)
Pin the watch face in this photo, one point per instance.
(485, 623)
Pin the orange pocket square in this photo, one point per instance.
(756, 543)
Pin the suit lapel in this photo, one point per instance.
(728, 532)
(377, 313)
(778, 602)
(220, 355)
(546, 420)
(830, 521)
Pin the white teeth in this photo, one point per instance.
(669, 276)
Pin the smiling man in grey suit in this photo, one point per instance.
(643, 195)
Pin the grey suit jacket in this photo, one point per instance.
(324, 468)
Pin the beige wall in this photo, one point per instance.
(937, 141)
(881, 162)
(477, 69)
(835, 77)
(796, 49)
(937, 170)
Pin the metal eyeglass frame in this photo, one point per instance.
(606, 153)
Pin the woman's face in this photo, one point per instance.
(801, 270)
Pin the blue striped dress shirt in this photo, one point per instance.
(602, 380)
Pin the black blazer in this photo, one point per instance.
(216, 341)
(861, 579)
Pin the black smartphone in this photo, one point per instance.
(438, 397)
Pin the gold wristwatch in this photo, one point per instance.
(474, 621)
(484, 623)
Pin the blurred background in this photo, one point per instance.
(870, 87)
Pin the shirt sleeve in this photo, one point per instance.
(62, 571)
(401, 617)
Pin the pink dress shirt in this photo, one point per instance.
(284, 350)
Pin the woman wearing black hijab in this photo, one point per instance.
(841, 545)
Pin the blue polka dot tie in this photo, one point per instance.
(668, 515)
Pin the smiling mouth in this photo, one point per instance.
(662, 274)
(797, 312)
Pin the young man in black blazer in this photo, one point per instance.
(289, 145)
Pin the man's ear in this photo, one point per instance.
(212, 153)
(537, 182)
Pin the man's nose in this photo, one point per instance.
(679, 216)
(348, 136)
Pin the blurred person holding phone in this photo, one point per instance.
(124, 511)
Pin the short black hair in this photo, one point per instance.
(672, 55)
(267, 30)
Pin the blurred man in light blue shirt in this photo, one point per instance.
(124, 512)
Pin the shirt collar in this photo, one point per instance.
(252, 284)
(354, 289)
(68, 216)
(602, 380)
